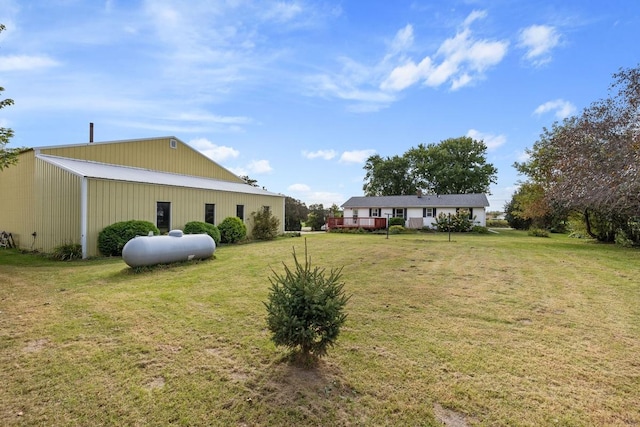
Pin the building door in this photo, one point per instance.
(163, 216)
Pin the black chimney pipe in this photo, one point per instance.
(90, 133)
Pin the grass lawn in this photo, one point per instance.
(500, 329)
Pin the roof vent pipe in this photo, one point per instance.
(90, 133)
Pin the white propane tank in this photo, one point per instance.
(177, 246)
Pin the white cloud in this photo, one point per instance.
(403, 39)
(491, 141)
(217, 153)
(464, 59)
(283, 11)
(538, 40)
(259, 166)
(26, 62)
(562, 108)
(356, 156)
(299, 188)
(323, 154)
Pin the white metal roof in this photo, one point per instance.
(97, 170)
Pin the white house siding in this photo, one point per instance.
(478, 212)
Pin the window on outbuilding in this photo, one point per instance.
(210, 213)
(163, 216)
(240, 211)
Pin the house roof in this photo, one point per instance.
(97, 170)
(426, 201)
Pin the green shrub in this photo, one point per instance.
(396, 229)
(396, 221)
(112, 238)
(479, 229)
(538, 232)
(497, 223)
(232, 230)
(265, 225)
(305, 308)
(460, 222)
(67, 252)
(198, 227)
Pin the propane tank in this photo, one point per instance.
(176, 246)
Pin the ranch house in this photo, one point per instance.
(418, 211)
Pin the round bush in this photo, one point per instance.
(198, 227)
(396, 229)
(396, 221)
(112, 238)
(232, 230)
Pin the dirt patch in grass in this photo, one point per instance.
(449, 417)
(35, 345)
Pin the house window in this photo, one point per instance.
(428, 212)
(210, 213)
(163, 216)
(399, 213)
(240, 211)
(374, 212)
(355, 213)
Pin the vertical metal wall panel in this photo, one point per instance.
(138, 201)
(57, 209)
(17, 212)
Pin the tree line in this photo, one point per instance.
(586, 169)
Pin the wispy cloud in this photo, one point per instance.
(459, 61)
(562, 108)
(490, 140)
(217, 153)
(299, 188)
(320, 154)
(356, 156)
(26, 62)
(538, 41)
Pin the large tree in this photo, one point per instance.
(8, 156)
(591, 163)
(295, 212)
(390, 176)
(453, 166)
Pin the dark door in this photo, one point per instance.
(163, 218)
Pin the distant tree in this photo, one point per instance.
(454, 166)
(388, 176)
(8, 156)
(317, 217)
(295, 212)
(249, 181)
(336, 211)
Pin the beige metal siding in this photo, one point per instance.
(57, 207)
(113, 201)
(17, 211)
(154, 153)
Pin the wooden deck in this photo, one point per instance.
(370, 223)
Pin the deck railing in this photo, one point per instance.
(373, 223)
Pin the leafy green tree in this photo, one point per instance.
(591, 163)
(305, 309)
(295, 212)
(265, 225)
(317, 217)
(454, 166)
(8, 156)
(390, 176)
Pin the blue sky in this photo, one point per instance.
(297, 94)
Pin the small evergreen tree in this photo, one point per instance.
(305, 308)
